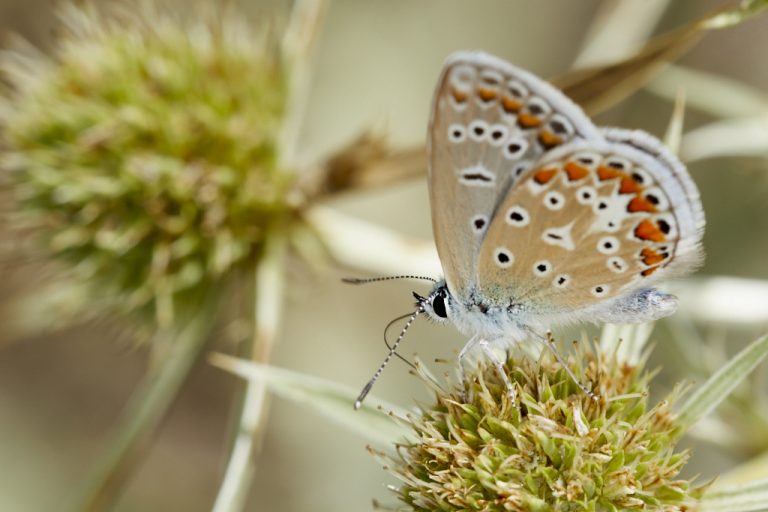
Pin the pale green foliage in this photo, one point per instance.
(145, 151)
(372, 421)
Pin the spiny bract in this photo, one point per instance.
(555, 450)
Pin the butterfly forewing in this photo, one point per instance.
(490, 123)
(591, 222)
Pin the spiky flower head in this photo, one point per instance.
(552, 449)
(144, 152)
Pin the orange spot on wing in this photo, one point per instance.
(640, 204)
(607, 173)
(528, 121)
(544, 175)
(649, 271)
(549, 139)
(459, 96)
(629, 186)
(486, 94)
(652, 257)
(647, 230)
(575, 171)
(510, 105)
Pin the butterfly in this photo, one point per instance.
(541, 218)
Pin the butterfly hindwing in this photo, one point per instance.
(490, 123)
(591, 223)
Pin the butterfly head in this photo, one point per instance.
(438, 304)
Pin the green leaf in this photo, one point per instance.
(708, 396)
(334, 400)
(749, 497)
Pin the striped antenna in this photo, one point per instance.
(359, 280)
(392, 352)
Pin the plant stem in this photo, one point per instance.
(144, 412)
(298, 40)
(297, 45)
(267, 311)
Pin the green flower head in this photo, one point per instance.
(145, 151)
(553, 449)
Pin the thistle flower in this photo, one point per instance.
(554, 449)
(145, 152)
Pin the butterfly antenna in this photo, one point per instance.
(392, 352)
(386, 341)
(358, 280)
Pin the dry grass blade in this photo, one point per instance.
(746, 137)
(734, 98)
(367, 162)
(596, 89)
(599, 88)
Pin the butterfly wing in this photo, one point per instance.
(490, 121)
(592, 223)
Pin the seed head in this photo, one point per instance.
(144, 151)
(553, 449)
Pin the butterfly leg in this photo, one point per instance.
(547, 341)
(486, 346)
(465, 351)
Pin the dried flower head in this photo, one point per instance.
(555, 450)
(145, 151)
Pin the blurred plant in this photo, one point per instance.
(152, 158)
(149, 157)
(152, 143)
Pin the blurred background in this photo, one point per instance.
(374, 66)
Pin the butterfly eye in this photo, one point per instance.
(438, 306)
